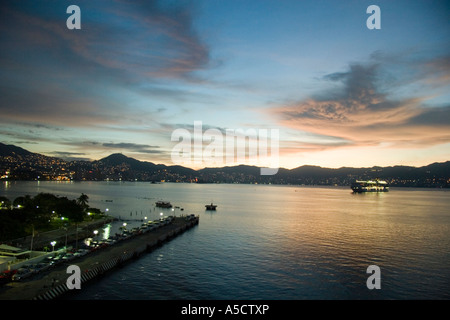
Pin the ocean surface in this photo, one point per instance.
(273, 242)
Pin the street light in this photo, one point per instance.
(53, 245)
(66, 229)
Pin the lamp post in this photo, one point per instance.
(32, 237)
(76, 238)
(67, 230)
(53, 245)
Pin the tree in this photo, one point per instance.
(70, 209)
(5, 203)
(40, 213)
(95, 213)
(83, 200)
(22, 201)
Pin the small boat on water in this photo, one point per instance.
(163, 204)
(370, 186)
(211, 206)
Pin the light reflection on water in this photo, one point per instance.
(276, 242)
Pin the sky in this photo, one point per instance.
(139, 73)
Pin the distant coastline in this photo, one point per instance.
(19, 164)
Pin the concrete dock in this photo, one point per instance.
(51, 284)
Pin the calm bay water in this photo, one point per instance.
(275, 242)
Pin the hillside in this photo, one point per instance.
(24, 165)
(11, 150)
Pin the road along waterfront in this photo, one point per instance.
(52, 283)
(70, 234)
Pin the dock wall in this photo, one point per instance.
(119, 260)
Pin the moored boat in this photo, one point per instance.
(163, 204)
(211, 206)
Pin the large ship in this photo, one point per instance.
(370, 186)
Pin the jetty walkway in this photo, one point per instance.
(51, 283)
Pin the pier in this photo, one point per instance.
(51, 284)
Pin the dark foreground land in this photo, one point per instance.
(52, 283)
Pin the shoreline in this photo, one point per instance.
(300, 185)
(52, 283)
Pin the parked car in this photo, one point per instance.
(68, 256)
(21, 273)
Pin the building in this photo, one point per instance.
(15, 257)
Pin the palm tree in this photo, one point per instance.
(83, 201)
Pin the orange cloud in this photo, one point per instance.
(362, 115)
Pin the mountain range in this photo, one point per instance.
(19, 164)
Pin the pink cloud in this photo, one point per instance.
(362, 115)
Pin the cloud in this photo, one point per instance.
(70, 156)
(437, 71)
(139, 148)
(90, 77)
(87, 146)
(146, 37)
(358, 110)
(66, 153)
(107, 147)
(153, 38)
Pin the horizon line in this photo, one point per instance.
(227, 166)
